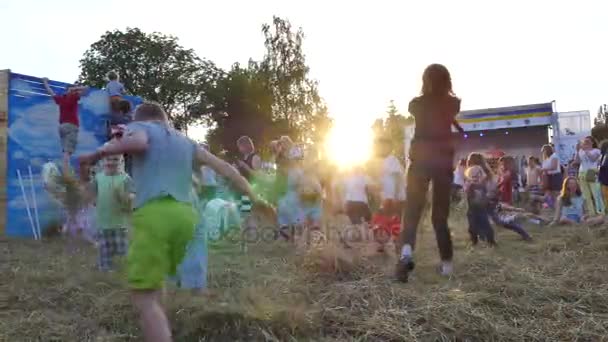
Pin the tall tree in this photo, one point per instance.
(154, 66)
(602, 116)
(269, 98)
(296, 99)
(393, 127)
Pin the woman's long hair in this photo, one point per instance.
(565, 195)
(478, 159)
(547, 151)
(594, 143)
(436, 81)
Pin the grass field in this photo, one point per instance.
(554, 289)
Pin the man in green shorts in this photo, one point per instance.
(163, 161)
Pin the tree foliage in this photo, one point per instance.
(265, 99)
(393, 127)
(153, 66)
(602, 116)
(269, 98)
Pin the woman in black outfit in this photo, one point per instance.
(431, 156)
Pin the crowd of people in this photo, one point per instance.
(153, 183)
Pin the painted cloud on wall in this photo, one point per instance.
(35, 125)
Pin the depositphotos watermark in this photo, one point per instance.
(346, 233)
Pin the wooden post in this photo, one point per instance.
(4, 85)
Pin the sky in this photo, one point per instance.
(363, 53)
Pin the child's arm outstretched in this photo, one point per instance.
(45, 83)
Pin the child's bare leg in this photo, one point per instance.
(595, 220)
(66, 162)
(153, 321)
(566, 221)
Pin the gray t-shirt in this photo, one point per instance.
(166, 168)
(115, 88)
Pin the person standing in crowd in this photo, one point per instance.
(603, 171)
(589, 156)
(534, 183)
(432, 157)
(247, 166)
(458, 183)
(164, 217)
(552, 174)
(392, 180)
(505, 179)
(357, 190)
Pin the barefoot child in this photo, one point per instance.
(571, 209)
(164, 217)
(68, 119)
(113, 193)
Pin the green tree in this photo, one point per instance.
(602, 116)
(267, 99)
(154, 66)
(393, 127)
(295, 97)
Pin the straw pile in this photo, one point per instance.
(555, 289)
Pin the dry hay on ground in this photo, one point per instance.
(555, 289)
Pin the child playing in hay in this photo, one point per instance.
(67, 191)
(164, 217)
(571, 209)
(477, 199)
(113, 193)
(496, 210)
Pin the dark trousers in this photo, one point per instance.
(358, 212)
(418, 178)
(479, 225)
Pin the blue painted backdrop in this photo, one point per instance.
(33, 139)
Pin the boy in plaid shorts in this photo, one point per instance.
(114, 193)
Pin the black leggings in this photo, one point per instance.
(418, 178)
(358, 212)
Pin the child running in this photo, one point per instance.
(571, 207)
(68, 119)
(113, 193)
(164, 218)
(477, 199)
(432, 158)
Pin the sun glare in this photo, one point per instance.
(349, 145)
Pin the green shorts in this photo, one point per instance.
(162, 229)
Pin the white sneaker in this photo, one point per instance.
(446, 268)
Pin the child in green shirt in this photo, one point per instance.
(113, 193)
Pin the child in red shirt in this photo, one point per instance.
(68, 119)
(505, 180)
